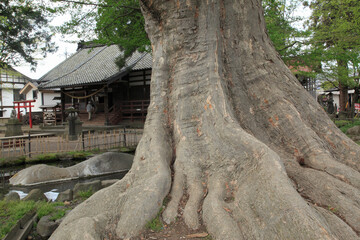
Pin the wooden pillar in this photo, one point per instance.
(144, 85)
(128, 88)
(62, 97)
(106, 105)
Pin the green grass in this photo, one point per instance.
(126, 149)
(85, 194)
(96, 150)
(12, 161)
(12, 211)
(341, 123)
(332, 209)
(155, 224)
(49, 157)
(349, 125)
(80, 155)
(58, 214)
(45, 208)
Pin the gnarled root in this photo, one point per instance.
(124, 208)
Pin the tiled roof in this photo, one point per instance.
(12, 72)
(93, 66)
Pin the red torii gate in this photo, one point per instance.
(18, 107)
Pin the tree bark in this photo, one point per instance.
(343, 97)
(343, 88)
(257, 157)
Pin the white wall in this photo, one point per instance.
(11, 79)
(8, 96)
(336, 96)
(48, 100)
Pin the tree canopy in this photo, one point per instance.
(280, 20)
(336, 40)
(24, 32)
(122, 23)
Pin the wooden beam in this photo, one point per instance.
(106, 105)
(62, 96)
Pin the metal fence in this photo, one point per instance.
(50, 143)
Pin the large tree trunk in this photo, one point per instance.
(343, 73)
(257, 157)
(343, 97)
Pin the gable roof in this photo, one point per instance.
(91, 66)
(29, 86)
(10, 71)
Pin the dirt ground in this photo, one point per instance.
(177, 230)
(162, 231)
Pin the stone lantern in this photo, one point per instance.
(74, 127)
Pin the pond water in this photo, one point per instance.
(52, 189)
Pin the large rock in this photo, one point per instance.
(13, 196)
(35, 195)
(46, 226)
(65, 196)
(100, 164)
(108, 183)
(354, 131)
(94, 186)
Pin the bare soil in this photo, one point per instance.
(175, 231)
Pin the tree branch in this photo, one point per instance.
(115, 19)
(288, 46)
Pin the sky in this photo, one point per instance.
(66, 49)
(67, 46)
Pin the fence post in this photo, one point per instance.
(2, 178)
(124, 137)
(82, 140)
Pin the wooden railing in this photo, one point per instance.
(35, 144)
(129, 110)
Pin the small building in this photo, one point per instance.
(323, 95)
(42, 98)
(91, 75)
(11, 83)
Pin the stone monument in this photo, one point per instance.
(74, 125)
(13, 126)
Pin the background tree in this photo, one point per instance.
(232, 134)
(280, 21)
(121, 22)
(336, 40)
(24, 32)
